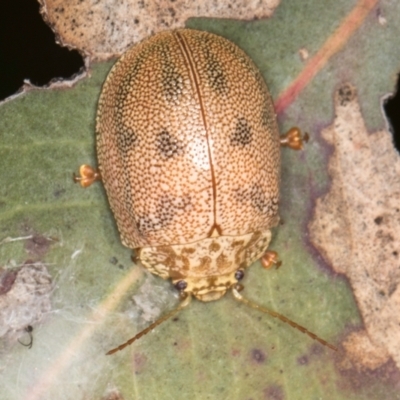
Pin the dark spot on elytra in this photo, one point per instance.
(263, 205)
(172, 83)
(258, 356)
(167, 208)
(125, 87)
(378, 220)
(256, 197)
(168, 145)
(242, 135)
(172, 80)
(216, 74)
(126, 138)
(146, 224)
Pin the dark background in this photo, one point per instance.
(28, 51)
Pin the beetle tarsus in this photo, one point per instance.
(87, 175)
(270, 259)
(294, 139)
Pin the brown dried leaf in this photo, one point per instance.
(106, 28)
(362, 353)
(356, 227)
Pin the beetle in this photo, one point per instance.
(189, 154)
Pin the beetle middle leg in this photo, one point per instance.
(270, 259)
(294, 139)
(87, 175)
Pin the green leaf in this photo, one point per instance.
(217, 350)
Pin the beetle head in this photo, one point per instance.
(208, 288)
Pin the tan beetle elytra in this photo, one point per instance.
(189, 153)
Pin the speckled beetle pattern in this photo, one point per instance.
(189, 154)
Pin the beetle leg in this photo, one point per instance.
(87, 175)
(294, 139)
(269, 259)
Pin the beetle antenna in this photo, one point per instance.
(237, 288)
(185, 300)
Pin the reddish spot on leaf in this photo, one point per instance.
(139, 362)
(7, 279)
(274, 392)
(303, 360)
(37, 246)
(258, 356)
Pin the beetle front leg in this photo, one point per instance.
(87, 175)
(294, 139)
(270, 259)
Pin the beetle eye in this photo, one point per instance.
(239, 274)
(180, 285)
